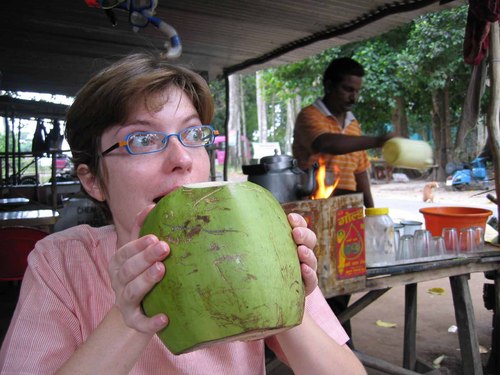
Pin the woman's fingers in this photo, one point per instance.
(136, 245)
(308, 267)
(135, 290)
(134, 276)
(137, 320)
(309, 277)
(301, 234)
(307, 257)
(132, 248)
(130, 300)
(134, 270)
(306, 241)
(304, 236)
(144, 251)
(296, 220)
(137, 256)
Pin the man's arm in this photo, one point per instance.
(363, 186)
(338, 144)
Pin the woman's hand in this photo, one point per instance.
(134, 269)
(305, 240)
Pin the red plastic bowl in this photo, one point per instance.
(437, 218)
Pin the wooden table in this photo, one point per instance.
(380, 280)
(30, 218)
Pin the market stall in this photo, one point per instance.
(21, 167)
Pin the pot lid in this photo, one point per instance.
(276, 161)
(276, 158)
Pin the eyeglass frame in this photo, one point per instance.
(124, 143)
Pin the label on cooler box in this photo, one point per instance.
(349, 246)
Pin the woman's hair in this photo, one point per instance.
(339, 68)
(117, 92)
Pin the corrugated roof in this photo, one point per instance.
(55, 46)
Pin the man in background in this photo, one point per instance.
(327, 129)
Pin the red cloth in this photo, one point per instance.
(481, 14)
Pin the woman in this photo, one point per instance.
(134, 131)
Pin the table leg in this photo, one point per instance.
(464, 314)
(360, 304)
(410, 332)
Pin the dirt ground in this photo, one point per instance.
(404, 199)
(443, 195)
(435, 320)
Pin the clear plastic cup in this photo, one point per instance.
(422, 243)
(479, 237)
(437, 246)
(411, 226)
(450, 236)
(399, 228)
(467, 240)
(397, 236)
(405, 248)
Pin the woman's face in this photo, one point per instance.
(136, 181)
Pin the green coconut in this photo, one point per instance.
(233, 272)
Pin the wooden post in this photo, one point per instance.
(494, 107)
(467, 336)
(493, 129)
(410, 332)
(493, 365)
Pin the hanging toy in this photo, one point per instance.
(141, 13)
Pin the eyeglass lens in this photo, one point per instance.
(145, 142)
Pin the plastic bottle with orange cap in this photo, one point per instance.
(380, 246)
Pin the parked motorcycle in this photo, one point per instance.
(468, 176)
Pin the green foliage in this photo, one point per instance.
(435, 43)
(381, 84)
(250, 105)
(304, 78)
(412, 62)
(219, 94)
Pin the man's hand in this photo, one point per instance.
(385, 137)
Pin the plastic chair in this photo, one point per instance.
(15, 245)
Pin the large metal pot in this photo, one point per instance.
(280, 175)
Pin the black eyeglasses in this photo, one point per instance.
(149, 142)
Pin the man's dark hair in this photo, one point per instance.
(339, 68)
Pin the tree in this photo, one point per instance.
(234, 121)
(261, 108)
(436, 67)
(415, 81)
(219, 95)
